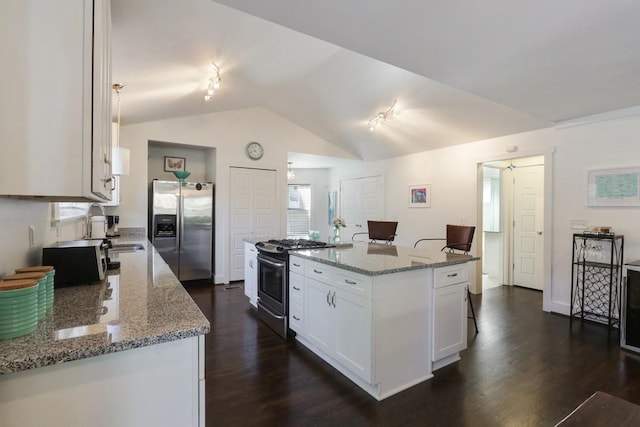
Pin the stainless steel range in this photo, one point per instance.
(273, 279)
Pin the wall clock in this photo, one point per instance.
(254, 150)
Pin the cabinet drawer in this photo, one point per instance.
(354, 283)
(296, 317)
(450, 275)
(296, 289)
(296, 264)
(320, 272)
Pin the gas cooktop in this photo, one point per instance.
(285, 245)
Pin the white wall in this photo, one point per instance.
(452, 173)
(227, 132)
(15, 218)
(195, 162)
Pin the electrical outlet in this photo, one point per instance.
(578, 224)
(32, 232)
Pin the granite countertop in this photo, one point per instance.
(140, 304)
(374, 259)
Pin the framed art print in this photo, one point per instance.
(614, 187)
(420, 196)
(174, 164)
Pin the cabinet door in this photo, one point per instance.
(353, 335)
(450, 320)
(251, 273)
(296, 302)
(47, 130)
(319, 315)
(101, 178)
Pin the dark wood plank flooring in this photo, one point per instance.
(524, 368)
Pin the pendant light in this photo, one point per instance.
(290, 173)
(119, 156)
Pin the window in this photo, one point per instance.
(66, 210)
(298, 211)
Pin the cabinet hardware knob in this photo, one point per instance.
(328, 296)
(452, 275)
(350, 282)
(317, 271)
(296, 289)
(296, 265)
(333, 300)
(296, 318)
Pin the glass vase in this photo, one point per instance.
(336, 235)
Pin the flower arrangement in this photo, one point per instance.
(339, 222)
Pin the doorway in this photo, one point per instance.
(513, 223)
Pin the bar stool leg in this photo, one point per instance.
(473, 313)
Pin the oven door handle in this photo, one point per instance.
(271, 313)
(271, 263)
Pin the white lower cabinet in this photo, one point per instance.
(449, 314)
(449, 320)
(384, 332)
(339, 324)
(320, 325)
(157, 385)
(353, 333)
(251, 273)
(296, 302)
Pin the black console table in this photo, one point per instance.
(596, 278)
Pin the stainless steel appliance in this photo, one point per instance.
(273, 280)
(77, 261)
(630, 329)
(181, 225)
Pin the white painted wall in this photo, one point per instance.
(227, 132)
(604, 142)
(15, 218)
(195, 162)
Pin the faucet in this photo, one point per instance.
(87, 219)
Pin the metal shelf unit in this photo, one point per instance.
(596, 278)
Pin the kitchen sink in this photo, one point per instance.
(126, 247)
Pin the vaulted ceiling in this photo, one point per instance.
(461, 71)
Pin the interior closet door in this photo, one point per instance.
(528, 223)
(361, 199)
(252, 200)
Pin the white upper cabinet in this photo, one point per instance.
(55, 118)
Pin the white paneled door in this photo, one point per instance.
(361, 199)
(528, 225)
(252, 212)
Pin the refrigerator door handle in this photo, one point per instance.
(181, 221)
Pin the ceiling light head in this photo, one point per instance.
(214, 82)
(383, 117)
(290, 173)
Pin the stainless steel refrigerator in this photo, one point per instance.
(181, 224)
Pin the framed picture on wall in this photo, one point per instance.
(614, 187)
(174, 164)
(420, 196)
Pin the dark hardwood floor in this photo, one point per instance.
(524, 368)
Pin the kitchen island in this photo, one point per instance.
(126, 351)
(384, 316)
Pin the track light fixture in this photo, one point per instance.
(383, 116)
(214, 81)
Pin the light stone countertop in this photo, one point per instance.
(145, 305)
(373, 259)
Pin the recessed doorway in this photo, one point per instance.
(513, 223)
